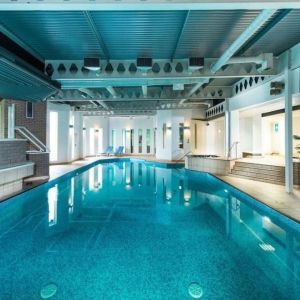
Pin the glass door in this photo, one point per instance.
(140, 140)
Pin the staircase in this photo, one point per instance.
(39, 156)
(259, 172)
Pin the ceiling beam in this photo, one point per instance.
(96, 33)
(21, 43)
(103, 78)
(130, 5)
(145, 90)
(196, 87)
(180, 34)
(154, 94)
(112, 91)
(103, 104)
(256, 25)
(281, 15)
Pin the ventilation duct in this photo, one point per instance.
(92, 64)
(144, 63)
(20, 83)
(196, 63)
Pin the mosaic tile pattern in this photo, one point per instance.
(128, 230)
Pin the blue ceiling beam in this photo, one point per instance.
(97, 34)
(21, 43)
(180, 34)
(243, 38)
(281, 15)
(158, 5)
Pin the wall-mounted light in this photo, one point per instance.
(186, 127)
(83, 128)
(71, 126)
(96, 130)
(169, 127)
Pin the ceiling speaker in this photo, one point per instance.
(92, 64)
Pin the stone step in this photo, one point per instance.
(258, 166)
(259, 179)
(35, 180)
(252, 175)
(256, 170)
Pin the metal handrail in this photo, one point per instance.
(177, 160)
(32, 138)
(230, 149)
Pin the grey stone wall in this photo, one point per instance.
(41, 163)
(12, 152)
(296, 167)
(37, 125)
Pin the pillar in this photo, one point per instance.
(288, 128)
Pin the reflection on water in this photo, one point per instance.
(204, 218)
(136, 185)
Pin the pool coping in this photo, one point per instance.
(257, 203)
(258, 200)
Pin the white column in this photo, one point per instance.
(232, 128)
(227, 129)
(288, 128)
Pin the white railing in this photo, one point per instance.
(215, 110)
(234, 145)
(38, 144)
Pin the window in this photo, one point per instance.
(131, 140)
(53, 139)
(11, 121)
(181, 134)
(196, 133)
(124, 138)
(29, 110)
(140, 140)
(164, 134)
(113, 139)
(92, 141)
(148, 140)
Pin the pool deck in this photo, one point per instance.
(272, 195)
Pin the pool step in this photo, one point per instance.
(259, 172)
(34, 180)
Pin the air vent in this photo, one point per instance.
(276, 88)
(21, 84)
(196, 63)
(92, 64)
(144, 63)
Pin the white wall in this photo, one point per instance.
(172, 119)
(138, 122)
(100, 124)
(210, 137)
(164, 149)
(69, 138)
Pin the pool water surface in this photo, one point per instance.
(128, 229)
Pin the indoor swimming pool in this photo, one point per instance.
(130, 229)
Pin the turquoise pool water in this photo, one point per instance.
(135, 230)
